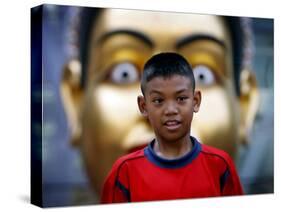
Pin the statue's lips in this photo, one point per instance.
(138, 137)
(137, 148)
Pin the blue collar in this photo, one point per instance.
(173, 163)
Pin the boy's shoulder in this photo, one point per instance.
(128, 157)
(216, 153)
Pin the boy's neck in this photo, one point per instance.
(173, 149)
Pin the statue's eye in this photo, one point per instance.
(124, 73)
(203, 75)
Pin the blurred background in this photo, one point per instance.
(64, 179)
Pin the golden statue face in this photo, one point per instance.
(106, 112)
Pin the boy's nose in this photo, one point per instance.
(171, 109)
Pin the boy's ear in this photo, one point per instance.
(142, 106)
(71, 94)
(197, 101)
(249, 103)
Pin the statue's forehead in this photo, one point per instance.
(154, 23)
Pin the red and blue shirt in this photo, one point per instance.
(144, 176)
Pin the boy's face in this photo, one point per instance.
(169, 104)
(121, 42)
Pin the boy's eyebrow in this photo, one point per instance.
(181, 90)
(155, 91)
(191, 38)
(132, 33)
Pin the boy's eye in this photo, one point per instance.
(203, 75)
(181, 98)
(157, 101)
(124, 73)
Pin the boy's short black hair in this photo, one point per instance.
(166, 65)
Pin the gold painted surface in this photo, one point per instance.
(104, 117)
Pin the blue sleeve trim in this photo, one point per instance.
(125, 191)
(223, 178)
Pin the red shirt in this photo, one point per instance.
(143, 176)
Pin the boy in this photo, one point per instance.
(174, 165)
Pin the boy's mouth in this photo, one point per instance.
(172, 124)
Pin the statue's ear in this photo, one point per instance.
(249, 103)
(71, 93)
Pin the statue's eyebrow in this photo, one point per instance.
(145, 39)
(196, 37)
